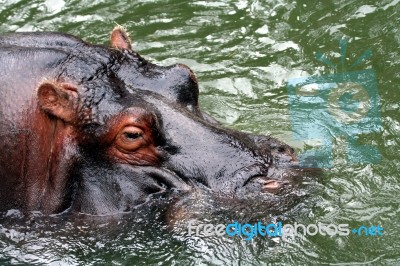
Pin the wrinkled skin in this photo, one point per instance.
(97, 129)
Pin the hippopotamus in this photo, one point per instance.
(97, 129)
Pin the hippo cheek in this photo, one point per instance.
(109, 189)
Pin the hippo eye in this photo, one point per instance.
(132, 135)
(130, 138)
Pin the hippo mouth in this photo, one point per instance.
(275, 180)
(264, 184)
(268, 184)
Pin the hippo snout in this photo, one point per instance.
(273, 178)
(278, 173)
(255, 179)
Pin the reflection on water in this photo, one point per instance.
(243, 53)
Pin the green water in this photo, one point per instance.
(243, 52)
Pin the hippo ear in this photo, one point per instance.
(120, 39)
(59, 100)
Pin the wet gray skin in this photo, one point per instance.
(86, 95)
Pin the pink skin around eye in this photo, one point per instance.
(139, 149)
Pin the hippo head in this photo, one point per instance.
(125, 128)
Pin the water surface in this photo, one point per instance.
(243, 52)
